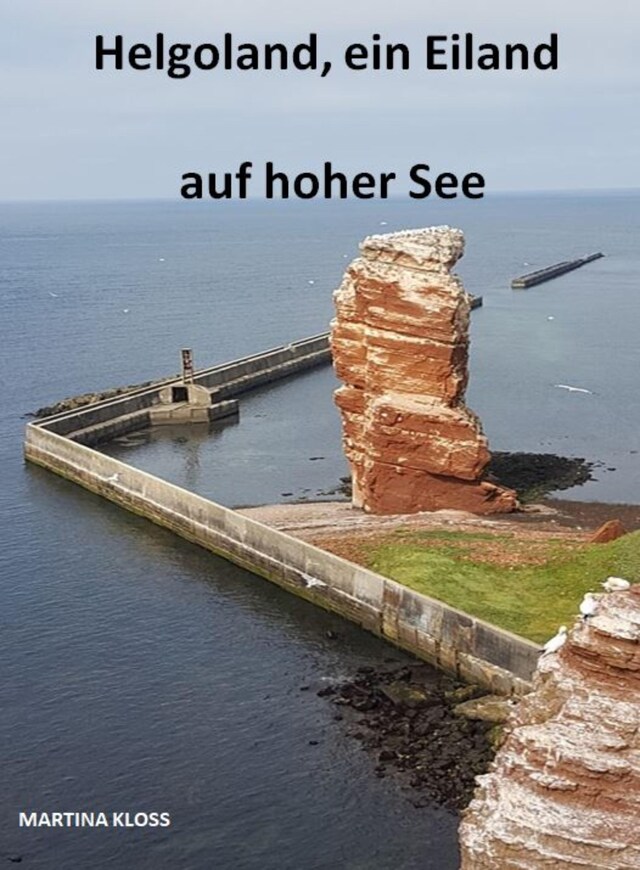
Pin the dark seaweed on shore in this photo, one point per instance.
(535, 475)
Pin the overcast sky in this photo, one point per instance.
(68, 131)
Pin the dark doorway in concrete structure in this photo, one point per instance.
(179, 394)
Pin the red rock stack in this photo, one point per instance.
(564, 791)
(400, 345)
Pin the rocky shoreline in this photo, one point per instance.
(409, 720)
(532, 475)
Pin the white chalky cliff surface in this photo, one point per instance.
(564, 790)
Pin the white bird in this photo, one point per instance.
(551, 317)
(112, 479)
(383, 223)
(310, 582)
(311, 281)
(556, 642)
(615, 584)
(588, 605)
(161, 259)
(572, 389)
(125, 310)
(54, 295)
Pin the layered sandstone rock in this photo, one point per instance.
(564, 791)
(609, 531)
(400, 347)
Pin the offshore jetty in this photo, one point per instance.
(549, 272)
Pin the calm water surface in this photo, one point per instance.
(140, 673)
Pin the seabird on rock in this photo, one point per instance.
(556, 642)
(615, 584)
(588, 605)
(112, 479)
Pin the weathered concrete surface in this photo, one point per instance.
(400, 347)
(460, 644)
(564, 791)
(196, 395)
(170, 413)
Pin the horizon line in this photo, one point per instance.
(316, 200)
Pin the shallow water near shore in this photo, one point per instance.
(144, 674)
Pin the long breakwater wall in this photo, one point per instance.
(549, 272)
(130, 411)
(457, 642)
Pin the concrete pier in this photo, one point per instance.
(133, 410)
(549, 272)
(455, 641)
(460, 644)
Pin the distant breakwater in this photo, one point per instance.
(549, 272)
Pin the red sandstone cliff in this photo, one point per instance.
(564, 791)
(400, 347)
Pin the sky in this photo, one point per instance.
(71, 132)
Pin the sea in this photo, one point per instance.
(142, 674)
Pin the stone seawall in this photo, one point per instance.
(128, 412)
(458, 643)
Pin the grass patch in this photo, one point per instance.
(528, 588)
(445, 535)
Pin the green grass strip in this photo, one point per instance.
(530, 600)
